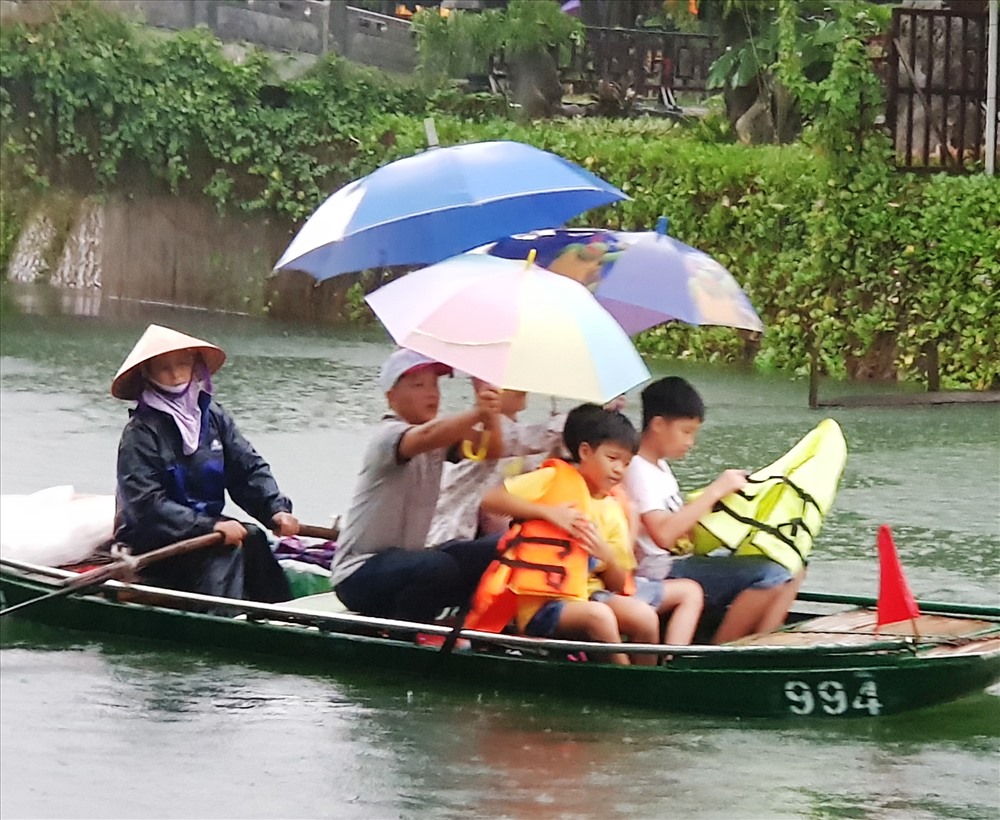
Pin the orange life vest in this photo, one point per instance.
(535, 558)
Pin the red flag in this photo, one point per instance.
(895, 601)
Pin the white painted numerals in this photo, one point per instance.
(800, 697)
(867, 699)
(832, 698)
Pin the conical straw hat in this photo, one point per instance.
(157, 340)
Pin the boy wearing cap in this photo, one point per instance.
(381, 566)
(179, 453)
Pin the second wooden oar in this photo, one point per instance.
(326, 533)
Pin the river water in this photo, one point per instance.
(109, 728)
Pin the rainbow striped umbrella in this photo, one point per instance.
(512, 324)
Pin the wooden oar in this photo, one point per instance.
(133, 564)
(128, 565)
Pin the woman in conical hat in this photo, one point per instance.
(179, 453)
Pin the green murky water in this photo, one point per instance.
(104, 728)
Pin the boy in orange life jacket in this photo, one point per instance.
(601, 444)
(681, 598)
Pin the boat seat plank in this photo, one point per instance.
(798, 638)
(865, 622)
(858, 627)
(980, 647)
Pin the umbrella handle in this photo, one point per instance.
(476, 455)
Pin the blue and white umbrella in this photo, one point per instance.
(428, 207)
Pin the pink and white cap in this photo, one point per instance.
(403, 361)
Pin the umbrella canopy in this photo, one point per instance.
(512, 324)
(643, 278)
(428, 207)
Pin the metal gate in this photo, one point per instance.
(649, 62)
(936, 107)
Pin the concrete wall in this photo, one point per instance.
(378, 40)
(278, 25)
(306, 29)
(167, 249)
(179, 251)
(310, 27)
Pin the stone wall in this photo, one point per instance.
(303, 30)
(171, 250)
(174, 250)
(181, 251)
(304, 27)
(278, 25)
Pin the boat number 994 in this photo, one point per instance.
(831, 697)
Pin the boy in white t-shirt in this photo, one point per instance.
(749, 593)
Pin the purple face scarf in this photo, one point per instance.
(181, 403)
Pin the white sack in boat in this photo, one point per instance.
(54, 526)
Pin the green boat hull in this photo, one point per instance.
(769, 683)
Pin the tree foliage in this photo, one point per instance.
(463, 42)
(794, 46)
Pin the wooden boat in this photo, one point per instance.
(819, 666)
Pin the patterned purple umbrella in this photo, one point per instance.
(643, 279)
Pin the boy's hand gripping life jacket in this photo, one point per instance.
(535, 558)
(781, 510)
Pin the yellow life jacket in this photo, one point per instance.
(535, 558)
(781, 510)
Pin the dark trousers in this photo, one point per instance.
(250, 572)
(415, 585)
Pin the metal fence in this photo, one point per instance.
(649, 62)
(936, 107)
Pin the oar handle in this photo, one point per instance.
(326, 533)
(137, 563)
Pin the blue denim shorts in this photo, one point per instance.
(544, 622)
(645, 590)
(724, 578)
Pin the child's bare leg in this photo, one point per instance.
(639, 621)
(593, 620)
(744, 613)
(774, 616)
(683, 599)
(757, 610)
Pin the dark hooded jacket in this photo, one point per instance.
(165, 496)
